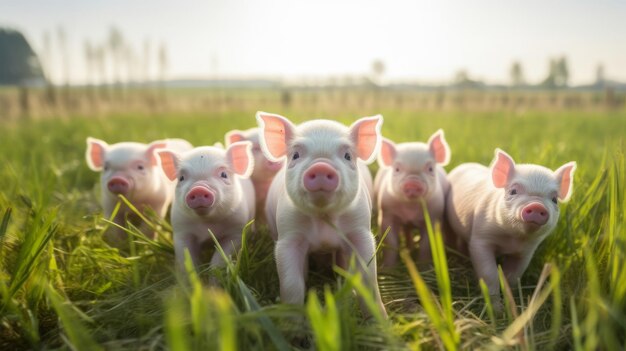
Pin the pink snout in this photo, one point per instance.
(535, 213)
(118, 185)
(321, 177)
(200, 197)
(413, 188)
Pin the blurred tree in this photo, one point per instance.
(99, 54)
(517, 74)
(378, 70)
(147, 51)
(562, 72)
(461, 77)
(65, 64)
(163, 62)
(19, 64)
(46, 59)
(89, 62)
(116, 47)
(600, 79)
(550, 81)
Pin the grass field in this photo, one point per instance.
(63, 287)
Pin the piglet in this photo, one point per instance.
(213, 193)
(410, 174)
(505, 212)
(319, 201)
(264, 169)
(131, 169)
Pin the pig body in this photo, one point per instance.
(319, 202)
(131, 169)
(411, 173)
(505, 212)
(214, 193)
(264, 169)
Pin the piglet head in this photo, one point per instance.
(264, 169)
(206, 176)
(531, 192)
(129, 169)
(321, 157)
(414, 166)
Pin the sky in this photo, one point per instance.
(427, 41)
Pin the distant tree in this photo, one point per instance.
(99, 55)
(550, 80)
(600, 79)
(116, 48)
(89, 61)
(19, 64)
(163, 61)
(378, 70)
(461, 77)
(517, 74)
(562, 72)
(46, 58)
(65, 57)
(147, 52)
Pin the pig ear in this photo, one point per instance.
(234, 136)
(502, 169)
(96, 150)
(387, 153)
(169, 161)
(239, 156)
(275, 132)
(565, 177)
(439, 148)
(365, 134)
(152, 157)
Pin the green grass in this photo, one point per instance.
(62, 287)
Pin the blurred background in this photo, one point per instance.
(72, 57)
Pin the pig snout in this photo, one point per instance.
(118, 185)
(535, 213)
(321, 177)
(199, 197)
(413, 188)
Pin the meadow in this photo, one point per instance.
(63, 287)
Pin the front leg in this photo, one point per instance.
(390, 249)
(484, 261)
(230, 244)
(513, 266)
(291, 259)
(424, 254)
(363, 246)
(186, 242)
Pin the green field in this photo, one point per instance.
(63, 287)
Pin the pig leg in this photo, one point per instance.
(513, 266)
(424, 254)
(230, 244)
(408, 237)
(390, 250)
(291, 259)
(484, 262)
(363, 246)
(188, 242)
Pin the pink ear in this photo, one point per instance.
(502, 169)
(565, 176)
(275, 133)
(96, 149)
(159, 144)
(239, 155)
(439, 148)
(169, 162)
(365, 133)
(387, 153)
(234, 136)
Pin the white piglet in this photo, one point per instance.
(213, 193)
(410, 173)
(264, 169)
(319, 202)
(131, 169)
(505, 212)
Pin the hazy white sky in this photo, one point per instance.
(417, 40)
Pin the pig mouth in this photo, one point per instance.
(321, 199)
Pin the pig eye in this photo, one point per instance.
(430, 168)
(347, 156)
(397, 169)
(296, 156)
(513, 192)
(140, 167)
(224, 175)
(181, 178)
(554, 200)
